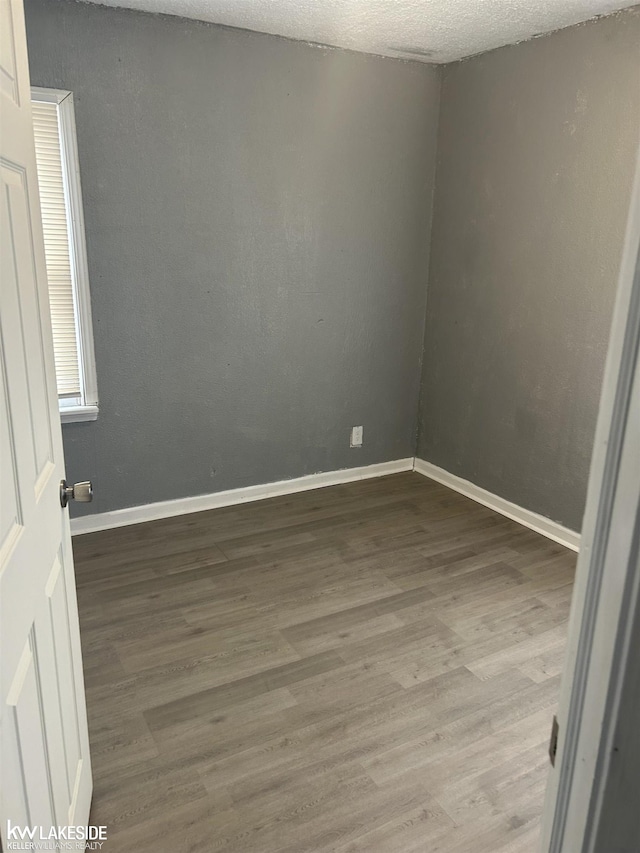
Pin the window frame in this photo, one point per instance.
(85, 406)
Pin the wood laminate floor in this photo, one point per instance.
(368, 667)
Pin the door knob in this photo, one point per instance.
(78, 492)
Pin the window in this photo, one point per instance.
(65, 252)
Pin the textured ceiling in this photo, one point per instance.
(429, 30)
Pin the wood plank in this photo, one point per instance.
(367, 667)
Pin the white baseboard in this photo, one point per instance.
(539, 523)
(182, 506)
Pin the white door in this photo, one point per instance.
(45, 772)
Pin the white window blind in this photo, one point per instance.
(58, 249)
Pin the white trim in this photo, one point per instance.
(48, 96)
(88, 409)
(77, 414)
(68, 135)
(198, 503)
(182, 506)
(539, 523)
(606, 598)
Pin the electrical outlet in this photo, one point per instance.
(356, 436)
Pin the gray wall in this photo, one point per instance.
(256, 212)
(258, 220)
(536, 150)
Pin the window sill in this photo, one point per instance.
(77, 414)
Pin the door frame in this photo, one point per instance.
(606, 599)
